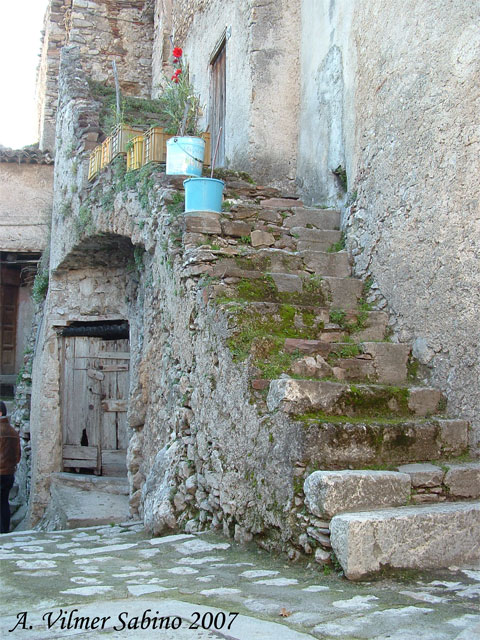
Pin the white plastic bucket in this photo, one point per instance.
(185, 156)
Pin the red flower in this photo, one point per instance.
(175, 79)
(178, 72)
(177, 52)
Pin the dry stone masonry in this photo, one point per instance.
(263, 385)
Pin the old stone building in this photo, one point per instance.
(26, 188)
(229, 364)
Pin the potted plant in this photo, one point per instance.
(181, 106)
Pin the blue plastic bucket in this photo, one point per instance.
(185, 156)
(203, 194)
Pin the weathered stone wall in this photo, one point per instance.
(262, 80)
(390, 88)
(105, 31)
(26, 193)
(200, 454)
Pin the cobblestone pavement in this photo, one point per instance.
(116, 582)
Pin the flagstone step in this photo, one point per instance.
(328, 493)
(254, 264)
(349, 443)
(297, 397)
(325, 219)
(418, 537)
(83, 504)
(459, 480)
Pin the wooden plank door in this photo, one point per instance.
(218, 103)
(94, 404)
(9, 281)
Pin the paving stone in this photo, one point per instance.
(330, 492)
(406, 537)
(463, 480)
(423, 474)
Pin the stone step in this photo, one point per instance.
(71, 507)
(328, 493)
(418, 537)
(297, 397)
(314, 239)
(327, 264)
(459, 480)
(382, 362)
(309, 289)
(324, 219)
(87, 482)
(346, 443)
(343, 293)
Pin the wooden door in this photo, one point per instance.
(218, 103)
(95, 381)
(9, 283)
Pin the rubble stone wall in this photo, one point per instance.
(389, 93)
(105, 31)
(200, 455)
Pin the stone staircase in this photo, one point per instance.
(322, 356)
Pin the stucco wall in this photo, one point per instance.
(327, 98)
(26, 193)
(390, 91)
(262, 80)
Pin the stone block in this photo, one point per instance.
(389, 360)
(327, 264)
(454, 436)
(343, 293)
(236, 228)
(287, 282)
(203, 222)
(262, 238)
(330, 492)
(300, 396)
(333, 445)
(326, 219)
(420, 537)
(306, 346)
(423, 401)
(377, 323)
(423, 474)
(463, 480)
(281, 203)
(310, 367)
(356, 369)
